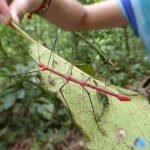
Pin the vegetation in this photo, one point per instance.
(28, 111)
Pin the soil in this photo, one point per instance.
(74, 141)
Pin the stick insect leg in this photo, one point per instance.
(70, 73)
(53, 50)
(36, 31)
(61, 92)
(107, 75)
(95, 118)
(104, 63)
(61, 88)
(70, 69)
(51, 81)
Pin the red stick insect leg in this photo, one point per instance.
(95, 118)
(61, 92)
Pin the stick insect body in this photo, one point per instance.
(82, 83)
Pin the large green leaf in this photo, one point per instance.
(130, 118)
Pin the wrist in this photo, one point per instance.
(34, 5)
(43, 7)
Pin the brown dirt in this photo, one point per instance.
(74, 141)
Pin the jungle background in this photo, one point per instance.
(32, 118)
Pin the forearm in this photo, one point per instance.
(71, 15)
(67, 14)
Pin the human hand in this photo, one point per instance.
(15, 9)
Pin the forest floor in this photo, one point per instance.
(74, 141)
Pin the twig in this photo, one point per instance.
(93, 47)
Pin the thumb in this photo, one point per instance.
(4, 12)
(17, 9)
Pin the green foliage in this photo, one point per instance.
(27, 109)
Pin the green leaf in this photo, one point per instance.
(43, 100)
(2, 146)
(20, 94)
(9, 101)
(129, 116)
(86, 68)
(46, 111)
(126, 92)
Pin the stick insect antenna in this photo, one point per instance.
(20, 74)
(29, 71)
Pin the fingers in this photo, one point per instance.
(15, 9)
(4, 12)
(19, 7)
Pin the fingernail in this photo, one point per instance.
(15, 18)
(3, 19)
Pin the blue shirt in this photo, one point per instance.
(137, 12)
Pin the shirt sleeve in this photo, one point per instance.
(129, 14)
(137, 13)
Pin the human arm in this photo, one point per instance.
(72, 15)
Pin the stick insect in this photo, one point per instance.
(70, 78)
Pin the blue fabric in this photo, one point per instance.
(137, 13)
(140, 143)
(123, 9)
(128, 11)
